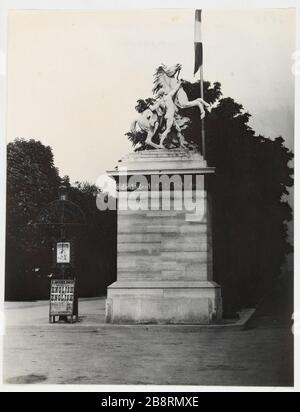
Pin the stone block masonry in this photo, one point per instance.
(164, 257)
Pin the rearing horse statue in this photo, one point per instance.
(166, 78)
(169, 96)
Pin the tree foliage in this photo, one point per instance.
(32, 183)
(96, 249)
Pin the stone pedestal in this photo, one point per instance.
(164, 268)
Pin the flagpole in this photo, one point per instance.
(199, 65)
(202, 120)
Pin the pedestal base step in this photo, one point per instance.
(181, 302)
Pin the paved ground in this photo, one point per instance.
(93, 353)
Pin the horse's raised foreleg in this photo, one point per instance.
(207, 105)
(195, 103)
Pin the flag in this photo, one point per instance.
(198, 42)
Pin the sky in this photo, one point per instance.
(74, 76)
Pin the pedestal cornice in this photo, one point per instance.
(162, 161)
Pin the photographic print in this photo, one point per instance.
(149, 197)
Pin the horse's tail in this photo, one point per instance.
(133, 126)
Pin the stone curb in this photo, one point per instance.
(240, 324)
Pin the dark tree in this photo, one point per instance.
(250, 214)
(32, 182)
(96, 249)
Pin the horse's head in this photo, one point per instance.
(173, 70)
(170, 71)
(163, 74)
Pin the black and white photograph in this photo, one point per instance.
(147, 198)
